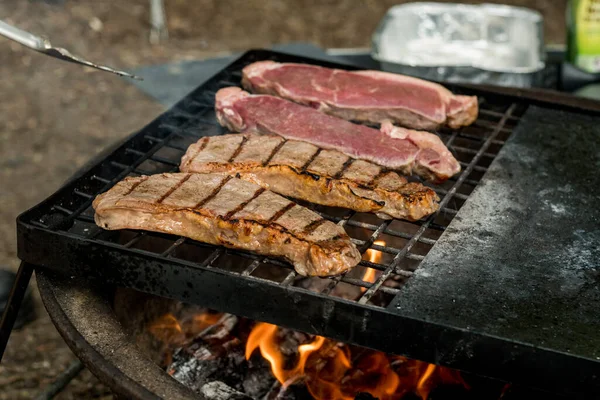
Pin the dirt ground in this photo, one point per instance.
(55, 116)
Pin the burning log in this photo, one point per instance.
(217, 355)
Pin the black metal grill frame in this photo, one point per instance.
(60, 233)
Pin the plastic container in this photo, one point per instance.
(492, 44)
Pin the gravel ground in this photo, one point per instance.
(56, 116)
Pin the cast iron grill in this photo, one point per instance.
(60, 233)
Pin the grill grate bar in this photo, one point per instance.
(40, 224)
(489, 125)
(82, 194)
(408, 236)
(85, 218)
(478, 138)
(226, 82)
(134, 151)
(386, 274)
(388, 231)
(252, 267)
(484, 111)
(436, 226)
(412, 256)
(171, 248)
(64, 210)
(176, 147)
(472, 151)
(364, 247)
(372, 265)
(477, 168)
(449, 210)
(100, 179)
(154, 139)
(165, 161)
(139, 236)
(119, 165)
(444, 192)
(212, 258)
(452, 137)
(366, 285)
(472, 182)
(209, 122)
(289, 279)
(357, 282)
(386, 249)
(389, 290)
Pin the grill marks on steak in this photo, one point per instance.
(304, 171)
(420, 152)
(218, 209)
(369, 96)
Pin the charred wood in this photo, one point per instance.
(219, 391)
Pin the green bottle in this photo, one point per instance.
(583, 30)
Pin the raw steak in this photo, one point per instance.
(417, 152)
(369, 96)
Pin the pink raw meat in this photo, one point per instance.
(368, 96)
(417, 152)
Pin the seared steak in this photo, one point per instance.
(370, 96)
(420, 152)
(304, 171)
(219, 209)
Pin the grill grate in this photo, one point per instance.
(393, 248)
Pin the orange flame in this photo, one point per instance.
(167, 329)
(202, 321)
(166, 322)
(422, 387)
(374, 257)
(330, 372)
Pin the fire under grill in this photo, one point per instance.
(359, 307)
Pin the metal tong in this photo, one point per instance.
(43, 45)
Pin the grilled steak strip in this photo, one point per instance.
(218, 209)
(419, 152)
(369, 96)
(307, 172)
